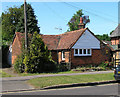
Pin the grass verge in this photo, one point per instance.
(65, 72)
(4, 74)
(57, 80)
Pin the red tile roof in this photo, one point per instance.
(51, 41)
(58, 42)
(68, 39)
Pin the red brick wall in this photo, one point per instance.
(54, 55)
(67, 56)
(16, 49)
(98, 56)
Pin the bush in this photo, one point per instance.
(63, 67)
(19, 67)
(49, 66)
(36, 58)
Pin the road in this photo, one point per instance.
(109, 89)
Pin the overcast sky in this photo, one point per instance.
(103, 15)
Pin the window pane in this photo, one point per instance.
(88, 51)
(63, 54)
(84, 51)
(80, 51)
(76, 51)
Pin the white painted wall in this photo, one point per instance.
(87, 40)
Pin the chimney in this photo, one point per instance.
(81, 25)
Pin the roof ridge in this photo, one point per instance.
(73, 31)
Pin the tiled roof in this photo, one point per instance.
(116, 32)
(68, 39)
(51, 41)
(21, 36)
(114, 47)
(58, 42)
(106, 42)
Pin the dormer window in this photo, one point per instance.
(82, 52)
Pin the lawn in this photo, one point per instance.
(4, 74)
(49, 81)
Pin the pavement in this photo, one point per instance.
(50, 75)
(19, 83)
(8, 86)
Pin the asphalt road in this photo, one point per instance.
(109, 89)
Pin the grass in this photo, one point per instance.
(57, 80)
(65, 72)
(4, 74)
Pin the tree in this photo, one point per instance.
(39, 58)
(75, 20)
(31, 21)
(10, 18)
(111, 32)
(103, 37)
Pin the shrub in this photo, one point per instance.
(50, 66)
(36, 58)
(19, 67)
(63, 67)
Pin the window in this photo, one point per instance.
(76, 51)
(82, 52)
(63, 55)
(88, 51)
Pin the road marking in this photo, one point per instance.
(57, 89)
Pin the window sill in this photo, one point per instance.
(82, 55)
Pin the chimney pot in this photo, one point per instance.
(81, 20)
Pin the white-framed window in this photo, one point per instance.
(82, 52)
(63, 55)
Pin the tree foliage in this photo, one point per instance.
(111, 32)
(13, 20)
(37, 58)
(104, 37)
(10, 18)
(75, 20)
(31, 21)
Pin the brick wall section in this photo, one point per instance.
(67, 58)
(54, 55)
(16, 49)
(98, 56)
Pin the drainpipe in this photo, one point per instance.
(70, 54)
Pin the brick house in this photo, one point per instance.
(79, 47)
(115, 42)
